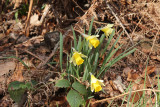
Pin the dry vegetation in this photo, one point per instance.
(26, 37)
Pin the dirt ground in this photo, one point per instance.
(29, 33)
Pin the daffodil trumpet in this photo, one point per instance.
(93, 40)
(96, 84)
(77, 58)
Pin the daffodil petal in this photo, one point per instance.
(93, 79)
(110, 25)
(90, 45)
(101, 83)
(92, 87)
(72, 60)
(82, 55)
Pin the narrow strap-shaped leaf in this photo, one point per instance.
(108, 42)
(79, 44)
(61, 50)
(120, 57)
(90, 27)
(106, 59)
(85, 75)
(114, 61)
(74, 36)
(95, 62)
(110, 55)
(101, 41)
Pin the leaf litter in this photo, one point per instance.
(140, 19)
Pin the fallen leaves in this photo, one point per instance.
(34, 20)
(17, 3)
(6, 67)
(18, 76)
(140, 81)
(132, 75)
(118, 85)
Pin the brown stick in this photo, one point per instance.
(28, 17)
(106, 99)
(38, 58)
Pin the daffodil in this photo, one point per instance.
(96, 85)
(77, 58)
(107, 29)
(93, 40)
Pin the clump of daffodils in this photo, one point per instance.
(77, 58)
(107, 29)
(93, 40)
(96, 85)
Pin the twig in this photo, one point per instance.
(78, 6)
(28, 17)
(50, 56)
(103, 100)
(120, 23)
(38, 58)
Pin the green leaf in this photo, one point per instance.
(17, 90)
(85, 75)
(90, 27)
(95, 62)
(30, 85)
(15, 85)
(122, 55)
(79, 46)
(74, 99)
(63, 83)
(75, 40)
(108, 54)
(16, 16)
(79, 87)
(61, 50)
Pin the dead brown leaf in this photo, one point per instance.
(17, 3)
(117, 84)
(34, 21)
(136, 95)
(6, 67)
(155, 57)
(149, 70)
(132, 75)
(17, 76)
(126, 70)
(60, 101)
(92, 100)
(2, 35)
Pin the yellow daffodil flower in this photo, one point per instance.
(96, 84)
(77, 58)
(93, 40)
(107, 29)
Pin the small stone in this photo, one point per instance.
(51, 39)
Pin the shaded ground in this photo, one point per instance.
(30, 41)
